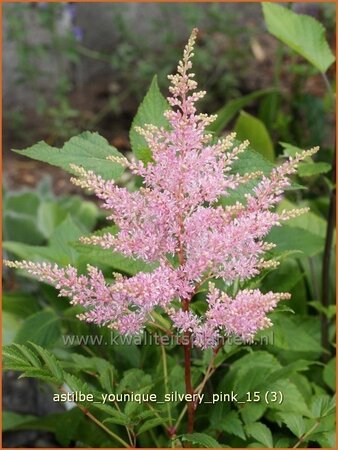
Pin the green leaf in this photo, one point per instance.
(329, 374)
(297, 366)
(201, 439)
(19, 304)
(294, 422)
(326, 439)
(134, 380)
(297, 334)
(23, 202)
(252, 370)
(116, 417)
(66, 232)
(293, 238)
(13, 421)
(311, 169)
(232, 424)
(42, 328)
(106, 379)
(89, 150)
(22, 358)
(152, 423)
(67, 426)
(19, 221)
(322, 406)
(11, 325)
(302, 33)
(293, 400)
(309, 221)
(151, 112)
(30, 356)
(13, 357)
(250, 412)
(247, 162)
(41, 374)
(253, 129)
(59, 249)
(50, 361)
(228, 112)
(49, 216)
(261, 433)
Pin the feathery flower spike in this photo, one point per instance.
(175, 214)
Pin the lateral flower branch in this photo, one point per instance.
(175, 220)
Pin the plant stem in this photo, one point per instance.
(127, 429)
(99, 423)
(210, 370)
(165, 375)
(188, 384)
(208, 374)
(305, 435)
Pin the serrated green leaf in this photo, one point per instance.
(326, 439)
(302, 33)
(151, 112)
(294, 422)
(312, 169)
(117, 417)
(31, 358)
(42, 328)
(293, 400)
(293, 238)
(12, 356)
(284, 372)
(152, 423)
(89, 150)
(201, 439)
(41, 374)
(253, 129)
(322, 405)
(106, 379)
(50, 361)
(261, 433)
(232, 424)
(297, 333)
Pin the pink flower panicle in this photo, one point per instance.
(175, 214)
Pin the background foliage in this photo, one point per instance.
(295, 356)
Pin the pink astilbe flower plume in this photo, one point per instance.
(174, 220)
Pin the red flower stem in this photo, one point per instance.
(187, 373)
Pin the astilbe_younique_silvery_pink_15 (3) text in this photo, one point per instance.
(175, 221)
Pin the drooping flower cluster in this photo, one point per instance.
(174, 220)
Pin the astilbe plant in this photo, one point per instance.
(175, 220)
